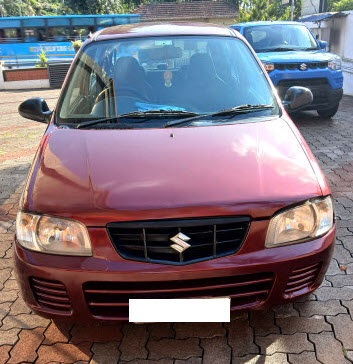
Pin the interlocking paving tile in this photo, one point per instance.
(329, 293)
(343, 329)
(273, 343)
(279, 358)
(9, 337)
(341, 281)
(161, 330)
(133, 343)
(201, 329)
(328, 349)
(99, 332)
(263, 323)
(287, 310)
(241, 338)
(306, 357)
(24, 321)
(64, 353)
(57, 332)
(173, 348)
(27, 345)
(106, 353)
(312, 308)
(216, 350)
(4, 353)
(314, 324)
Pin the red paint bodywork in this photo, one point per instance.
(101, 176)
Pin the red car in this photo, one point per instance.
(170, 169)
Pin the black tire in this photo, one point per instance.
(328, 113)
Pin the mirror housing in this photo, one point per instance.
(322, 44)
(35, 109)
(296, 98)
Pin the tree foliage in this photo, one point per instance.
(255, 10)
(342, 5)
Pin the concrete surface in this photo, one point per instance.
(317, 330)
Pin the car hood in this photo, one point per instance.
(296, 56)
(97, 176)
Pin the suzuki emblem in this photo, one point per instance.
(180, 241)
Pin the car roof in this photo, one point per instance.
(162, 29)
(255, 23)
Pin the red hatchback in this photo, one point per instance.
(170, 169)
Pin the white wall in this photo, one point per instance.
(310, 7)
(338, 33)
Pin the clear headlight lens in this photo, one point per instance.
(268, 66)
(308, 221)
(335, 63)
(52, 235)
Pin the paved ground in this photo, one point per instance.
(317, 330)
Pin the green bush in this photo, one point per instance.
(43, 60)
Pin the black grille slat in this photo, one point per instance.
(293, 66)
(302, 278)
(109, 300)
(150, 240)
(51, 294)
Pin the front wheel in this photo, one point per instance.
(328, 113)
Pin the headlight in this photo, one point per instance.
(52, 235)
(301, 223)
(268, 66)
(335, 63)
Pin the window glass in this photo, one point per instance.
(197, 74)
(279, 37)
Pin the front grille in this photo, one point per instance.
(318, 86)
(110, 300)
(305, 82)
(295, 66)
(149, 241)
(302, 278)
(51, 294)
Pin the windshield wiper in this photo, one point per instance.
(280, 49)
(158, 113)
(241, 109)
(145, 115)
(97, 121)
(309, 49)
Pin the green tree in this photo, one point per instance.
(342, 5)
(257, 10)
(96, 6)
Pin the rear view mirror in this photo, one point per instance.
(296, 98)
(35, 109)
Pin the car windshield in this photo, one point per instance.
(280, 37)
(153, 80)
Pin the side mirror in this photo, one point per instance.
(35, 109)
(322, 44)
(297, 98)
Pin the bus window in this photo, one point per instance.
(58, 34)
(10, 35)
(30, 35)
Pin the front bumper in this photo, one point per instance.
(95, 288)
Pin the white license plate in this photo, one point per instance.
(208, 309)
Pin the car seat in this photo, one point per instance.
(130, 79)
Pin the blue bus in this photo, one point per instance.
(23, 38)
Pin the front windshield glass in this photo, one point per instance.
(280, 37)
(174, 75)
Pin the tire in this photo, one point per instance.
(328, 113)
